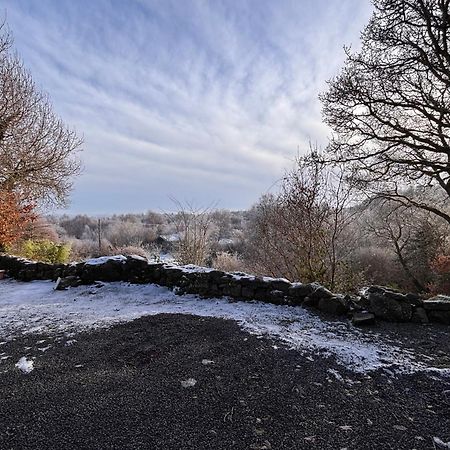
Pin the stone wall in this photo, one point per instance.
(375, 302)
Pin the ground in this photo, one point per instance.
(78, 372)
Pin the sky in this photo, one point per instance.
(203, 101)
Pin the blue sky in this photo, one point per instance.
(206, 101)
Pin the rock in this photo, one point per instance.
(319, 292)
(414, 299)
(419, 315)
(276, 297)
(389, 305)
(439, 316)
(363, 318)
(438, 309)
(311, 302)
(104, 269)
(334, 305)
(438, 303)
(248, 292)
(280, 285)
(64, 283)
(297, 292)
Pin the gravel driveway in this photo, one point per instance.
(173, 381)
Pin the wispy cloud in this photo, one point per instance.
(205, 100)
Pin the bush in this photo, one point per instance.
(228, 262)
(46, 251)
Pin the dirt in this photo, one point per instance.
(124, 388)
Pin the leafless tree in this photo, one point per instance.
(194, 227)
(413, 236)
(298, 232)
(389, 108)
(37, 151)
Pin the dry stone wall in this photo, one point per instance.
(375, 302)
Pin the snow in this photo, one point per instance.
(35, 307)
(189, 268)
(25, 365)
(440, 443)
(104, 259)
(190, 382)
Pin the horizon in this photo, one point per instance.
(199, 101)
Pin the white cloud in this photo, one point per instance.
(185, 98)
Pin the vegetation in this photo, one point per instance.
(46, 251)
(389, 108)
(14, 218)
(37, 151)
(372, 208)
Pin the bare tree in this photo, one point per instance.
(389, 108)
(298, 232)
(414, 238)
(194, 227)
(37, 151)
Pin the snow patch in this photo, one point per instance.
(440, 443)
(104, 259)
(35, 306)
(25, 365)
(190, 382)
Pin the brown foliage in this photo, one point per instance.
(14, 218)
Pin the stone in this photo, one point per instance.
(280, 285)
(109, 270)
(439, 316)
(419, 315)
(392, 308)
(319, 292)
(414, 299)
(438, 303)
(363, 318)
(66, 282)
(276, 297)
(334, 305)
(248, 292)
(311, 302)
(298, 291)
(235, 290)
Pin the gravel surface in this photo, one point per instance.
(173, 381)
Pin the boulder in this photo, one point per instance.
(438, 303)
(66, 282)
(333, 305)
(280, 285)
(297, 292)
(319, 292)
(389, 305)
(363, 318)
(419, 315)
(276, 297)
(311, 302)
(438, 309)
(104, 269)
(439, 316)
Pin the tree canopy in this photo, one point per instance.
(389, 108)
(38, 152)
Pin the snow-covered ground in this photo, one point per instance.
(36, 307)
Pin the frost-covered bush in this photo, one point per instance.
(228, 262)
